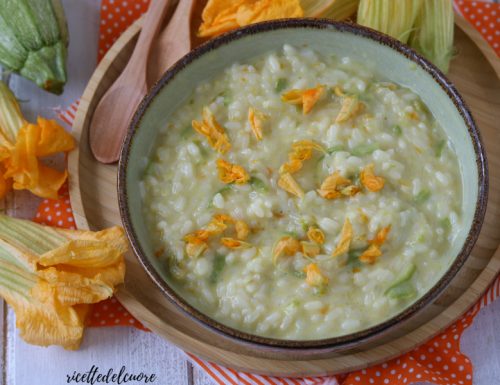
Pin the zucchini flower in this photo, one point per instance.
(22, 144)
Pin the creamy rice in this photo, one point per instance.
(243, 288)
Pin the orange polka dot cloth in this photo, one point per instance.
(485, 17)
(438, 361)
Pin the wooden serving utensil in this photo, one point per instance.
(116, 108)
(174, 41)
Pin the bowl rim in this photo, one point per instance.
(346, 340)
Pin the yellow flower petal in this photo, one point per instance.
(218, 224)
(306, 145)
(252, 11)
(381, 236)
(351, 106)
(373, 252)
(311, 97)
(231, 173)
(350, 191)
(364, 218)
(287, 183)
(195, 250)
(92, 249)
(220, 16)
(292, 96)
(48, 322)
(44, 182)
(77, 286)
(51, 138)
(308, 97)
(242, 230)
(345, 239)
(22, 165)
(45, 283)
(256, 119)
(197, 241)
(285, 246)
(213, 131)
(369, 180)
(300, 153)
(315, 235)
(314, 276)
(413, 116)
(291, 167)
(302, 150)
(370, 255)
(338, 91)
(232, 243)
(197, 237)
(333, 185)
(223, 218)
(310, 249)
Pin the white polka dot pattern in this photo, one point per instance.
(484, 16)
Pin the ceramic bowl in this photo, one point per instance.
(392, 59)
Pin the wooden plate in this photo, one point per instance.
(93, 197)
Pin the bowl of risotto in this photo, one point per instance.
(302, 184)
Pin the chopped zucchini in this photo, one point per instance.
(397, 130)
(353, 258)
(364, 149)
(402, 291)
(203, 151)
(422, 196)
(227, 98)
(319, 290)
(365, 97)
(149, 168)
(338, 147)
(218, 265)
(330, 151)
(304, 224)
(187, 132)
(221, 191)
(402, 287)
(439, 148)
(293, 304)
(224, 190)
(176, 268)
(257, 184)
(281, 84)
(298, 274)
(445, 223)
(292, 234)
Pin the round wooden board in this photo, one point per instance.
(475, 72)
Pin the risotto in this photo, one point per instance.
(301, 196)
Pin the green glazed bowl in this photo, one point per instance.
(391, 59)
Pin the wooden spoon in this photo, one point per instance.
(115, 110)
(174, 41)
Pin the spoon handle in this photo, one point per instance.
(173, 42)
(151, 25)
(116, 108)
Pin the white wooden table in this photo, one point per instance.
(139, 351)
